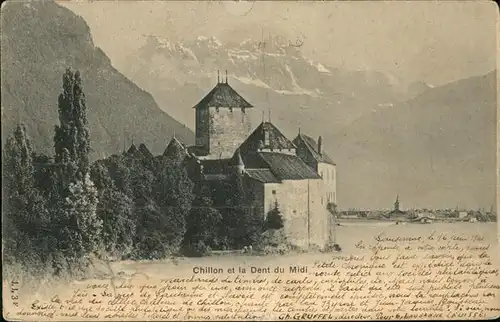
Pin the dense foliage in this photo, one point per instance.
(61, 212)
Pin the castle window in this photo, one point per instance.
(266, 138)
(274, 192)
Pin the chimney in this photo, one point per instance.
(226, 76)
(320, 141)
(218, 78)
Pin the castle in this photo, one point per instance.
(298, 175)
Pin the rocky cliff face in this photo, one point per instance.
(39, 41)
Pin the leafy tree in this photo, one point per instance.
(77, 226)
(115, 210)
(119, 173)
(274, 219)
(332, 208)
(82, 126)
(71, 139)
(242, 226)
(202, 223)
(174, 195)
(17, 190)
(25, 216)
(18, 166)
(45, 176)
(149, 238)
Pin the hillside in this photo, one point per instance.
(435, 150)
(39, 40)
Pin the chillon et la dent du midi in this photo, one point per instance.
(295, 175)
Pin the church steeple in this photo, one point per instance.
(396, 204)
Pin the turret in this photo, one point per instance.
(320, 143)
(237, 162)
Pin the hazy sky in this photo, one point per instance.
(436, 42)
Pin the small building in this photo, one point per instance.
(277, 175)
(311, 152)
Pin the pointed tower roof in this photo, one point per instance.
(266, 136)
(236, 160)
(145, 151)
(223, 95)
(132, 150)
(174, 147)
(312, 146)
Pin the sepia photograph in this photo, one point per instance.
(249, 160)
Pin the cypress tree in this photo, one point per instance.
(81, 126)
(25, 215)
(71, 138)
(79, 227)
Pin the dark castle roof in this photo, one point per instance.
(312, 147)
(145, 151)
(262, 175)
(216, 166)
(287, 167)
(174, 147)
(257, 140)
(132, 150)
(223, 95)
(236, 160)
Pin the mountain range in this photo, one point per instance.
(432, 145)
(272, 72)
(40, 39)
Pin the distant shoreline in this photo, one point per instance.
(379, 220)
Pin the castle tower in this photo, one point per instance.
(222, 122)
(237, 162)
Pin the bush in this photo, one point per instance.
(274, 219)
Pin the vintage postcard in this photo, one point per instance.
(249, 160)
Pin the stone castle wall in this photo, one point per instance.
(292, 197)
(228, 129)
(329, 174)
(202, 128)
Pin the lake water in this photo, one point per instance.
(348, 234)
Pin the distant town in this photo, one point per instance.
(422, 215)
